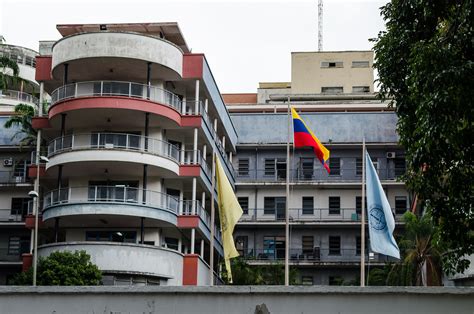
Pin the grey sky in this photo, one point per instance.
(245, 42)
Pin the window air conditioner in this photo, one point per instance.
(390, 155)
(8, 162)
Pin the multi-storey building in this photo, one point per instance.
(14, 160)
(333, 91)
(133, 122)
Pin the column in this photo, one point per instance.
(206, 105)
(223, 141)
(203, 204)
(142, 230)
(193, 202)
(181, 200)
(180, 245)
(183, 152)
(204, 152)
(65, 76)
(196, 98)
(195, 146)
(202, 248)
(148, 80)
(193, 239)
(230, 157)
(183, 106)
(56, 229)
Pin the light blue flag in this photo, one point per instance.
(380, 217)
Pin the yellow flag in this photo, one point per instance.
(229, 212)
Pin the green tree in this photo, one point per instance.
(425, 65)
(6, 79)
(62, 269)
(22, 119)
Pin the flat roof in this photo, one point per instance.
(167, 30)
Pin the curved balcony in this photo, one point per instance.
(13, 97)
(129, 258)
(93, 54)
(119, 147)
(110, 200)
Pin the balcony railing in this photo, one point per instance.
(17, 95)
(111, 194)
(13, 177)
(12, 215)
(8, 256)
(116, 88)
(202, 213)
(309, 175)
(308, 215)
(118, 141)
(314, 255)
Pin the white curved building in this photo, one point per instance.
(133, 122)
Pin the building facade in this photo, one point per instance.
(15, 158)
(333, 92)
(133, 121)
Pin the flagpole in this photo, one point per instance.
(362, 221)
(287, 217)
(213, 218)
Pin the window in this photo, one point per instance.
(358, 166)
(243, 167)
(308, 205)
(172, 243)
(112, 236)
(306, 168)
(308, 244)
(20, 168)
(360, 89)
(276, 167)
(307, 280)
(241, 244)
(359, 204)
(19, 206)
(400, 166)
(332, 64)
(18, 245)
(334, 245)
(335, 166)
(400, 205)
(269, 167)
(274, 206)
(113, 191)
(360, 64)
(244, 204)
(358, 245)
(334, 205)
(273, 248)
(332, 90)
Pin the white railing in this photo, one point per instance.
(17, 95)
(111, 194)
(119, 141)
(202, 213)
(116, 88)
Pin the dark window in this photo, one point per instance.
(332, 64)
(172, 243)
(308, 205)
(20, 169)
(307, 280)
(269, 167)
(400, 166)
(273, 248)
(400, 205)
(306, 170)
(241, 244)
(332, 90)
(358, 245)
(308, 244)
(18, 245)
(20, 206)
(274, 205)
(335, 166)
(281, 169)
(334, 205)
(243, 167)
(112, 236)
(358, 166)
(359, 204)
(334, 245)
(244, 204)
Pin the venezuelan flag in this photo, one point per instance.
(304, 137)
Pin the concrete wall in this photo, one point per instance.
(308, 76)
(241, 300)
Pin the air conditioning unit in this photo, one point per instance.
(390, 155)
(8, 162)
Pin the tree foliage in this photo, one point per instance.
(62, 269)
(271, 274)
(425, 65)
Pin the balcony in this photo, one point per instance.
(311, 176)
(113, 147)
(204, 217)
(311, 215)
(129, 258)
(315, 256)
(8, 257)
(13, 178)
(13, 97)
(93, 53)
(110, 200)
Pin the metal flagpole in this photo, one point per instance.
(213, 218)
(287, 219)
(362, 221)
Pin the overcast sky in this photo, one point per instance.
(245, 41)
